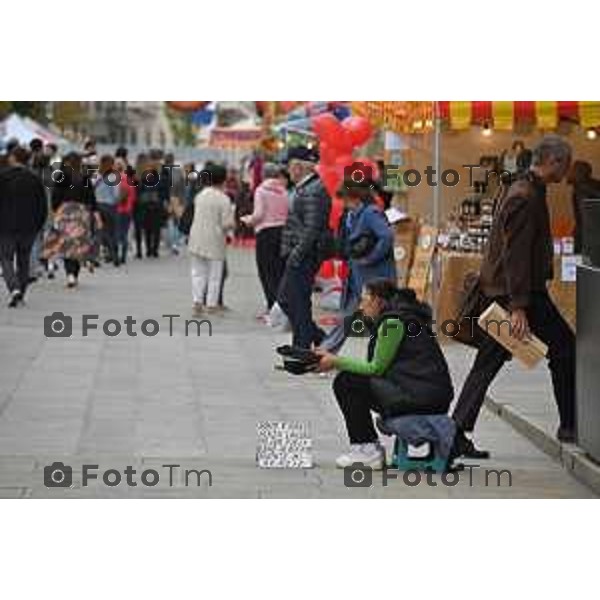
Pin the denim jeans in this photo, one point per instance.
(174, 236)
(123, 223)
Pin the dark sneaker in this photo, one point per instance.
(16, 298)
(465, 447)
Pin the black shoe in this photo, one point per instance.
(566, 435)
(15, 299)
(465, 447)
(302, 355)
(295, 367)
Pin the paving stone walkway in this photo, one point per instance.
(194, 401)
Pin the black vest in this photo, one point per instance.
(419, 368)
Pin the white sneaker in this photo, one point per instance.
(71, 281)
(370, 455)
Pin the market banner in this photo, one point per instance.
(235, 138)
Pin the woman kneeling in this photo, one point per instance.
(405, 372)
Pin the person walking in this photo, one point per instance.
(213, 221)
(106, 190)
(152, 190)
(125, 207)
(39, 163)
(74, 206)
(138, 209)
(268, 219)
(517, 264)
(305, 243)
(175, 202)
(23, 212)
(367, 244)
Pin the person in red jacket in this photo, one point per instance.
(127, 199)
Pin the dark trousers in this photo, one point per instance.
(108, 233)
(138, 228)
(72, 267)
(15, 254)
(123, 222)
(357, 398)
(295, 299)
(269, 263)
(546, 322)
(224, 276)
(153, 218)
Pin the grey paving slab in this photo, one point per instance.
(145, 401)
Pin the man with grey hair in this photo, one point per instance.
(305, 242)
(517, 264)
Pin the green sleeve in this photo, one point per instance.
(389, 336)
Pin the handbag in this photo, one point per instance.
(362, 245)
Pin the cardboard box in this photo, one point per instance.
(529, 351)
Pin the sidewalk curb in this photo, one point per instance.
(570, 456)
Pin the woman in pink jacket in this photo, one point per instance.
(271, 204)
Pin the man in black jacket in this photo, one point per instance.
(517, 265)
(303, 246)
(23, 212)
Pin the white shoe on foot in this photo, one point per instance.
(370, 455)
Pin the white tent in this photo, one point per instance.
(25, 129)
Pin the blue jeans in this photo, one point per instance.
(122, 234)
(173, 234)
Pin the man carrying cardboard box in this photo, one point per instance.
(517, 265)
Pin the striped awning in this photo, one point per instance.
(546, 114)
(417, 116)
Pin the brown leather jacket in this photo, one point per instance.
(518, 259)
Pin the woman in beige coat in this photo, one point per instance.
(207, 245)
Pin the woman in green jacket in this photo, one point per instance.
(405, 371)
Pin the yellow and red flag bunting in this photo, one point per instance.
(407, 117)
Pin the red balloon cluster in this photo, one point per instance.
(337, 140)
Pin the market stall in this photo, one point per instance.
(474, 139)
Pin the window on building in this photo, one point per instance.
(99, 106)
(148, 138)
(163, 139)
(133, 137)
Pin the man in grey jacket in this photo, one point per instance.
(304, 245)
